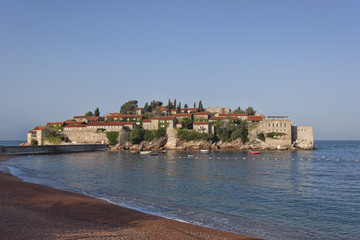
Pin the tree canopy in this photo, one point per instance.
(250, 111)
(97, 112)
(129, 107)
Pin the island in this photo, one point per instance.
(172, 127)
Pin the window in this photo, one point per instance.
(280, 124)
(273, 124)
(269, 124)
(284, 124)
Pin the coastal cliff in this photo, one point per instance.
(173, 143)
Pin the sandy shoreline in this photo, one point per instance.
(31, 211)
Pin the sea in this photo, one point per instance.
(273, 195)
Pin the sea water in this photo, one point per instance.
(274, 195)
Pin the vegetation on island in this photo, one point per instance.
(192, 135)
(274, 134)
(139, 134)
(53, 136)
(112, 137)
(91, 114)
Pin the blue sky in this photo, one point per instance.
(296, 58)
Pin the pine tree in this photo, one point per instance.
(146, 107)
(186, 106)
(200, 107)
(179, 107)
(169, 106)
(194, 105)
(97, 112)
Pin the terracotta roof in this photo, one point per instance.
(40, 128)
(139, 108)
(78, 117)
(174, 110)
(74, 123)
(167, 118)
(255, 118)
(223, 118)
(200, 123)
(155, 118)
(92, 118)
(232, 114)
(54, 123)
(125, 116)
(189, 109)
(182, 115)
(162, 109)
(128, 123)
(75, 126)
(146, 120)
(102, 123)
(201, 113)
(179, 123)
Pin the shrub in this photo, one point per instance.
(34, 142)
(274, 134)
(186, 135)
(137, 135)
(112, 137)
(261, 136)
(53, 140)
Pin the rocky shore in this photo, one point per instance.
(166, 143)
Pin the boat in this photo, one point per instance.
(145, 152)
(163, 151)
(204, 151)
(254, 152)
(191, 156)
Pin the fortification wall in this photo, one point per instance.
(302, 137)
(24, 150)
(90, 136)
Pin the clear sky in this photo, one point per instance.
(296, 58)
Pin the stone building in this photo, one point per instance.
(201, 117)
(217, 110)
(203, 127)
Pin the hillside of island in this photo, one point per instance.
(172, 127)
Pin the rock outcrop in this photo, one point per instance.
(304, 144)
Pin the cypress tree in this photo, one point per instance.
(97, 112)
(200, 107)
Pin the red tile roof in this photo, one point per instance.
(200, 123)
(232, 114)
(146, 120)
(140, 108)
(54, 123)
(124, 116)
(128, 123)
(223, 118)
(92, 118)
(78, 117)
(167, 118)
(75, 126)
(182, 115)
(174, 110)
(189, 109)
(201, 113)
(102, 123)
(40, 127)
(74, 123)
(255, 118)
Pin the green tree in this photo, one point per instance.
(112, 137)
(250, 111)
(194, 105)
(137, 135)
(158, 104)
(129, 107)
(179, 106)
(186, 106)
(261, 136)
(239, 110)
(89, 114)
(169, 105)
(200, 107)
(244, 131)
(174, 103)
(97, 112)
(146, 107)
(33, 142)
(188, 123)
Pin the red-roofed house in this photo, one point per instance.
(78, 118)
(201, 117)
(36, 135)
(203, 127)
(174, 111)
(182, 116)
(255, 118)
(189, 110)
(242, 116)
(140, 111)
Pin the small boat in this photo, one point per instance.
(254, 152)
(204, 151)
(153, 154)
(190, 156)
(163, 151)
(145, 152)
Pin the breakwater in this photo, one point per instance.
(48, 149)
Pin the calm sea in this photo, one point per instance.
(275, 195)
(12, 142)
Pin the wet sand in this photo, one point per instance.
(31, 211)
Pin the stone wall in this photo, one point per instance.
(91, 136)
(302, 137)
(25, 150)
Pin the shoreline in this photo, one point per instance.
(32, 211)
